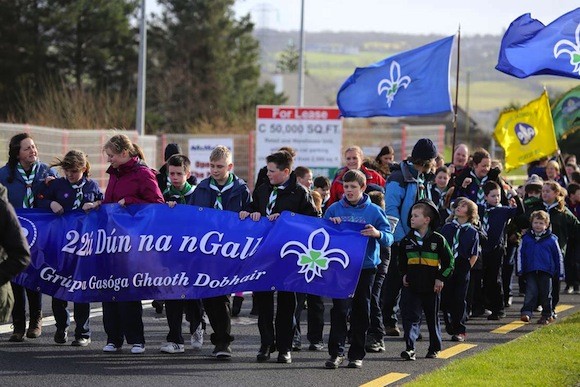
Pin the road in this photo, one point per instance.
(41, 362)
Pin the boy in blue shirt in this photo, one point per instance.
(425, 262)
(355, 206)
(222, 191)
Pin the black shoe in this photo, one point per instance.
(392, 331)
(333, 362)
(16, 337)
(494, 317)
(408, 355)
(297, 346)
(222, 352)
(237, 305)
(316, 347)
(263, 353)
(420, 337)
(432, 354)
(284, 358)
(81, 342)
(61, 336)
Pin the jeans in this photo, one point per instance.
(538, 290)
(81, 315)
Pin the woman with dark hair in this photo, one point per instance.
(131, 181)
(24, 176)
(384, 160)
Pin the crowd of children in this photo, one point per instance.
(442, 239)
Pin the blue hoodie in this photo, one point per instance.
(540, 254)
(367, 213)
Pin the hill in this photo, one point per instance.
(332, 56)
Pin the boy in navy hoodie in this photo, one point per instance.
(223, 190)
(539, 258)
(356, 206)
(494, 219)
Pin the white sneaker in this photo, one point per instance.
(110, 347)
(172, 348)
(197, 338)
(138, 348)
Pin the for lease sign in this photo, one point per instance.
(315, 133)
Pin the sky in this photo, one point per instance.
(400, 16)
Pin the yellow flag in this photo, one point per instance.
(527, 134)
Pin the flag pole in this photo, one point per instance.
(456, 90)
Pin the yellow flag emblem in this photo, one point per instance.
(527, 134)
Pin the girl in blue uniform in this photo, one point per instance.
(72, 192)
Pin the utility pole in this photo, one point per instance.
(142, 69)
(301, 60)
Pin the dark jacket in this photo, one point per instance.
(163, 182)
(470, 191)
(234, 199)
(14, 253)
(17, 187)
(293, 198)
(61, 191)
(423, 264)
(498, 218)
(133, 181)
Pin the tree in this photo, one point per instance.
(93, 43)
(203, 64)
(289, 59)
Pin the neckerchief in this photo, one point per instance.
(218, 205)
(181, 194)
(442, 194)
(550, 206)
(28, 200)
(418, 237)
(480, 193)
(456, 236)
(78, 187)
(272, 198)
(540, 235)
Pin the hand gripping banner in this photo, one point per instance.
(152, 251)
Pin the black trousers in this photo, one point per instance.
(82, 311)
(492, 280)
(314, 317)
(123, 321)
(453, 301)
(174, 310)
(413, 305)
(219, 312)
(284, 324)
(391, 290)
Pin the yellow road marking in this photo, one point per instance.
(563, 307)
(456, 349)
(508, 327)
(385, 380)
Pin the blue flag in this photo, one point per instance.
(415, 82)
(530, 48)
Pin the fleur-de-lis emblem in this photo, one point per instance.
(574, 52)
(393, 85)
(313, 261)
(524, 132)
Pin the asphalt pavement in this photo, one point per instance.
(41, 362)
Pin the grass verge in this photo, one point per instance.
(549, 356)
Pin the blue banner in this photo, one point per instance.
(155, 252)
(530, 48)
(414, 82)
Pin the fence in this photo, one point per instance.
(52, 142)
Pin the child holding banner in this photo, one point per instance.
(356, 206)
(74, 191)
(282, 193)
(131, 181)
(223, 190)
(179, 191)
